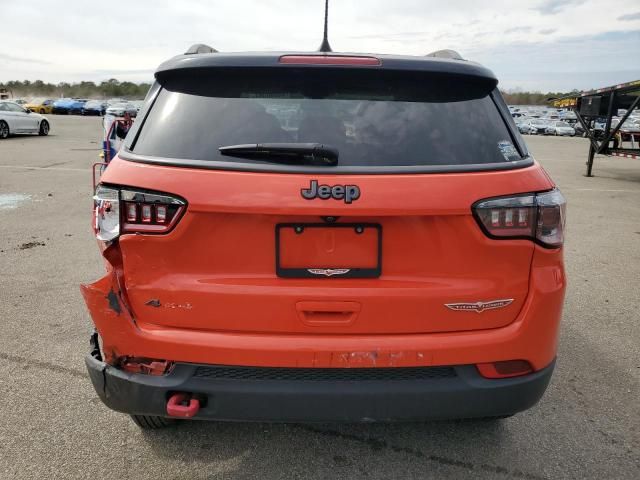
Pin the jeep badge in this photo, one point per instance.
(348, 193)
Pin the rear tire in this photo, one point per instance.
(42, 111)
(151, 422)
(4, 130)
(44, 128)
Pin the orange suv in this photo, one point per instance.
(324, 237)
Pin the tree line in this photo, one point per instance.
(107, 89)
(114, 88)
(533, 98)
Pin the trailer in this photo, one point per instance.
(597, 112)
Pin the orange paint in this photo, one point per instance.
(221, 302)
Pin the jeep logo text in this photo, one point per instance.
(348, 193)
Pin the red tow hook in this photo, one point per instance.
(176, 405)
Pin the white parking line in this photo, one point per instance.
(62, 169)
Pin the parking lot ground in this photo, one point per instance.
(52, 424)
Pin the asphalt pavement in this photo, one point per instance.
(52, 424)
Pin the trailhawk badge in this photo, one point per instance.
(479, 307)
(328, 272)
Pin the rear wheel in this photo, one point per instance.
(151, 422)
(4, 129)
(44, 128)
(42, 111)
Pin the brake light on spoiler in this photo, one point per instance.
(536, 216)
(330, 60)
(124, 210)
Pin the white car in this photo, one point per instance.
(16, 119)
(119, 109)
(560, 129)
(534, 126)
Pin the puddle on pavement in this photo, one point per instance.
(12, 200)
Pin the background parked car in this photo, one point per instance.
(61, 105)
(138, 104)
(629, 126)
(630, 130)
(561, 129)
(77, 105)
(521, 123)
(579, 130)
(17, 119)
(113, 101)
(119, 109)
(94, 107)
(68, 105)
(40, 105)
(535, 126)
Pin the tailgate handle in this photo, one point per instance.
(318, 313)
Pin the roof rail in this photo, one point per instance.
(447, 53)
(200, 48)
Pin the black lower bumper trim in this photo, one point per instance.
(463, 395)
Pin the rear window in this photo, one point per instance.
(373, 120)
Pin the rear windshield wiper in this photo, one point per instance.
(312, 153)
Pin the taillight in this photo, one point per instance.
(351, 60)
(119, 211)
(106, 213)
(535, 216)
(148, 212)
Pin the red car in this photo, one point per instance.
(325, 237)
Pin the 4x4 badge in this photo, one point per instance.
(348, 193)
(479, 307)
(328, 272)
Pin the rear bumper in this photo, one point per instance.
(460, 393)
(532, 336)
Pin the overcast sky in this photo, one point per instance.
(530, 44)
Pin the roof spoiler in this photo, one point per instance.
(451, 54)
(200, 48)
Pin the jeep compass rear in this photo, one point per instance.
(324, 237)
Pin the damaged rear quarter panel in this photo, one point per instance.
(108, 313)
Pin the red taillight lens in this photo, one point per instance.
(536, 216)
(154, 212)
(146, 213)
(504, 369)
(125, 211)
(132, 212)
(161, 213)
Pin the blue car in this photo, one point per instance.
(68, 106)
(94, 107)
